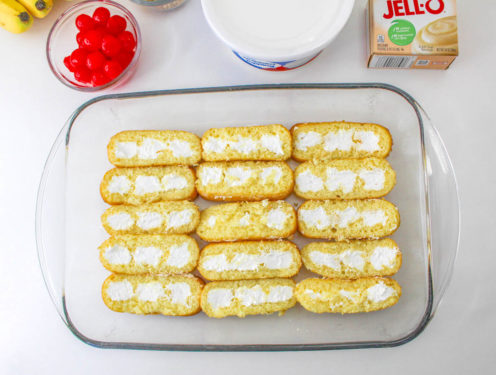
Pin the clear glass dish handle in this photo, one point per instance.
(50, 221)
(444, 209)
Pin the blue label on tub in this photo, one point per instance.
(275, 65)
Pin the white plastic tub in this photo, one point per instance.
(277, 34)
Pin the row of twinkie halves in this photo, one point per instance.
(228, 264)
(246, 164)
(181, 295)
(327, 219)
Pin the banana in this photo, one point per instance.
(14, 17)
(38, 8)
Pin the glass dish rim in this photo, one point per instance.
(428, 314)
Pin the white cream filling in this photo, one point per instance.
(214, 144)
(147, 184)
(374, 179)
(341, 179)
(272, 143)
(305, 140)
(149, 220)
(350, 258)
(340, 140)
(353, 259)
(251, 296)
(179, 218)
(179, 292)
(313, 295)
(245, 220)
(276, 218)
(271, 173)
(149, 255)
(249, 262)
(174, 182)
(347, 216)
(257, 296)
(277, 260)
(218, 298)
(180, 148)
(307, 181)
(325, 259)
(337, 179)
(244, 145)
(366, 141)
(383, 257)
(279, 293)
(349, 295)
(211, 221)
(120, 221)
(150, 149)
(210, 175)
(178, 255)
(236, 176)
(120, 290)
(246, 296)
(117, 254)
(374, 217)
(380, 292)
(119, 185)
(150, 292)
(125, 150)
(316, 217)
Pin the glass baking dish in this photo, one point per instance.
(68, 229)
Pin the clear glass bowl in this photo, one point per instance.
(62, 41)
(68, 229)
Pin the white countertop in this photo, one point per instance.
(180, 51)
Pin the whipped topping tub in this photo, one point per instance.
(69, 207)
(277, 34)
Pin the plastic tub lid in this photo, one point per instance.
(277, 29)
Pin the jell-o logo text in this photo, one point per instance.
(398, 8)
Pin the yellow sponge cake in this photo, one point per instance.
(146, 294)
(348, 219)
(244, 180)
(247, 297)
(247, 221)
(345, 179)
(175, 217)
(153, 254)
(267, 142)
(134, 148)
(352, 259)
(148, 184)
(347, 296)
(249, 260)
(339, 140)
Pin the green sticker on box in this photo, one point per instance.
(401, 32)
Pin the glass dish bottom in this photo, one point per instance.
(69, 230)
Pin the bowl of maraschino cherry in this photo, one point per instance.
(94, 45)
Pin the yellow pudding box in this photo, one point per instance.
(412, 34)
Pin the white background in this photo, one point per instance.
(180, 51)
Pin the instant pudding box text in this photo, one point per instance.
(412, 34)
